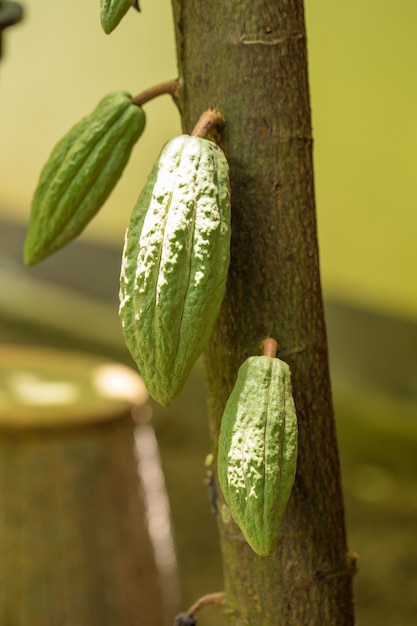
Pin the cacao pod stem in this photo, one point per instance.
(270, 347)
(207, 121)
(167, 87)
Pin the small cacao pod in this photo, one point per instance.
(80, 174)
(112, 12)
(257, 450)
(175, 262)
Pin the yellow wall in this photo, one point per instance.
(364, 96)
(59, 63)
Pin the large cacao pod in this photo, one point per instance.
(257, 450)
(80, 174)
(175, 262)
(112, 11)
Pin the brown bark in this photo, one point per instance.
(248, 59)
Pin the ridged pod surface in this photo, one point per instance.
(257, 450)
(175, 262)
(112, 11)
(80, 174)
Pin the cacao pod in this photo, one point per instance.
(175, 262)
(257, 450)
(80, 174)
(112, 12)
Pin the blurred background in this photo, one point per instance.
(56, 65)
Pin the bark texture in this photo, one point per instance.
(248, 59)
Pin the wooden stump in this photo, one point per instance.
(74, 544)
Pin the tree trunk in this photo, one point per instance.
(249, 59)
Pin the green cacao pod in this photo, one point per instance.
(80, 174)
(257, 450)
(112, 12)
(175, 262)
